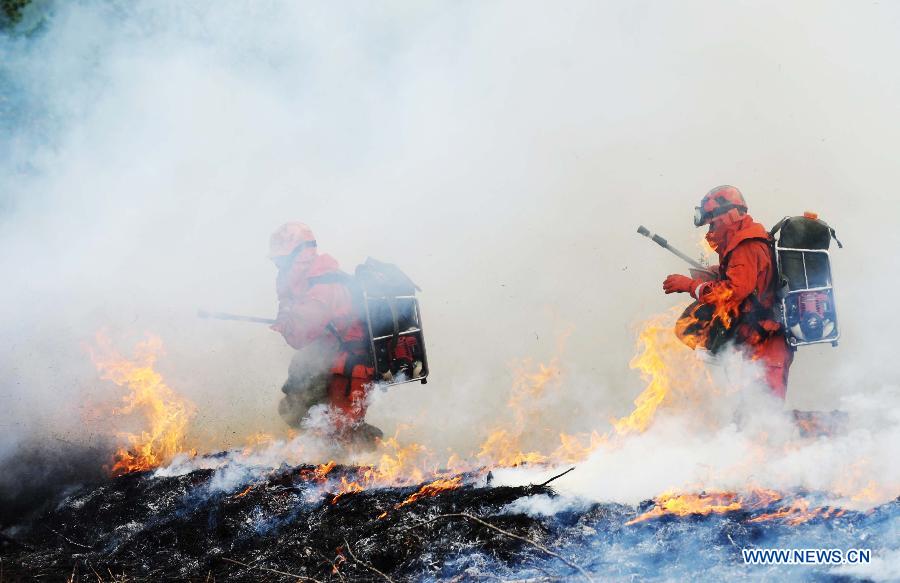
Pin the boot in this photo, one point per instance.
(363, 437)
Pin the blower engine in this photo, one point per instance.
(806, 292)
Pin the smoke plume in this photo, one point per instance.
(501, 153)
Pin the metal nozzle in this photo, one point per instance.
(665, 245)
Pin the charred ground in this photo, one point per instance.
(187, 527)
(288, 524)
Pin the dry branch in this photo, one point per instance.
(366, 565)
(555, 477)
(297, 577)
(68, 540)
(533, 543)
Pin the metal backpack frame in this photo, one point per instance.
(391, 302)
(785, 294)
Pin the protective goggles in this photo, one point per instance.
(702, 218)
(285, 261)
(699, 217)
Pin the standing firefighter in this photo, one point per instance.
(316, 316)
(739, 304)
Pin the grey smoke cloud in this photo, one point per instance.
(501, 153)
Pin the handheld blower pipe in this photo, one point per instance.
(665, 245)
(234, 317)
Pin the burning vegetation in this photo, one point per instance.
(164, 413)
(403, 512)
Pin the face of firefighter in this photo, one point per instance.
(720, 226)
(303, 253)
(297, 262)
(716, 234)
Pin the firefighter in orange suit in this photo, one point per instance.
(745, 287)
(316, 316)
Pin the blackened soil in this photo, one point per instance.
(142, 527)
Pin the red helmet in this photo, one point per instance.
(290, 238)
(719, 201)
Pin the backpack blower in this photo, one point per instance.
(805, 289)
(384, 299)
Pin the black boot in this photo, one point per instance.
(363, 437)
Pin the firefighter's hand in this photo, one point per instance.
(283, 321)
(678, 284)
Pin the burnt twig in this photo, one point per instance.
(99, 578)
(366, 565)
(555, 477)
(533, 543)
(68, 540)
(334, 568)
(297, 577)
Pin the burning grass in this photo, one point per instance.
(165, 414)
(404, 512)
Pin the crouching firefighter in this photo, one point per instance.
(737, 302)
(316, 316)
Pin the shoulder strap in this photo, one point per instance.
(778, 226)
(834, 236)
(347, 280)
(781, 223)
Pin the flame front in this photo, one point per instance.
(798, 512)
(504, 445)
(347, 487)
(686, 504)
(674, 375)
(165, 413)
(433, 489)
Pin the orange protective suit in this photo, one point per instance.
(309, 311)
(745, 267)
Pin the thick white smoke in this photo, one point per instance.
(501, 153)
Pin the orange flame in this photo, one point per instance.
(725, 305)
(573, 450)
(673, 374)
(799, 512)
(433, 489)
(398, 462)
(713, 502)
(429, 490)
(244, 492)
(318, 473)
(165, 412)
(685, 504)
(503, 446)
(347, 487)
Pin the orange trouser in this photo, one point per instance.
(776, 357)
(348, 388)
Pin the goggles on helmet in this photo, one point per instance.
(702, 218)
(285, 261)
(698, 216)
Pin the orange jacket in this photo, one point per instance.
(306, 308)
(745, 267)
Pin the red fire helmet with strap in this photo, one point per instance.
(290, 238)
(717, 202)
